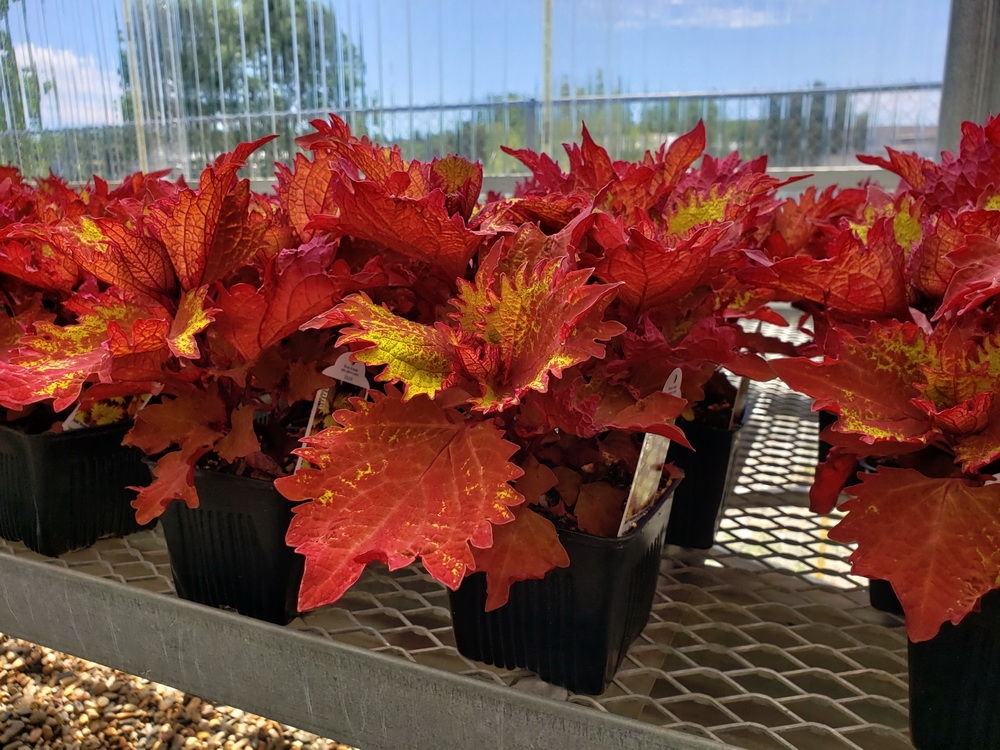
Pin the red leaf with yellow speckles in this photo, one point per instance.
(533, 325)
(421, 357)
(509, 335)
(525, 549)
(121, 255)
(55, 361)
(934, 539)
(191, 319)
(362, 507)
(875, 407)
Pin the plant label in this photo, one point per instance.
(347, 370)
(649, 470)
(739, 403)
(325, 402)
(106, 411)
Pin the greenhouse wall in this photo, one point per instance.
(109, 87)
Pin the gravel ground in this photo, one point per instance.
(52, 700)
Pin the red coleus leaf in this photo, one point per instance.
(547, 177)
(860, 276)
(241, 440)
(587, 408)
(871, 384)
(525, 549)
(300, 283)
(963, 180)
(508, 340)
(550, 212)
(121, 255)
(599, 508)
(419, 356)
(656, 273)
(459, 179)
(929, 267)
(307, 190)
(191, 420)
(208, 232)
(173, 479)
(533, 325)
(910, 167)
(804, 226)
(934, 539)
(55, 361)
(28, 252)
(238, 320)
(416, 228)
(195, 422)
(976, 278)
(362, 508)
(831, 476)
(682, 153)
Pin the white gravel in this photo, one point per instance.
(52, 700)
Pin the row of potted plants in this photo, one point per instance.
(486, 370)
(520, 348)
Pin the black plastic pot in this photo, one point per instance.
(63, 491)
(883, 597)
(826, 418)
(955, 683)
(708, 474)
(573, 626)
(231, 551)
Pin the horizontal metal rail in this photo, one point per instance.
(369, 700)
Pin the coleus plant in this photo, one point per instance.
(427, 471)
(483, 313)
(910, 366)
(653, 248)
(202, 294)
(46, 293)
(676, 237)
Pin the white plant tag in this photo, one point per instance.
(321, 408)
(347, 370)
(650, 467)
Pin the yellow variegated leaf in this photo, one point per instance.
(419, 356)
(191, 319)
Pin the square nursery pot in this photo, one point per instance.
(63, 491)
(955, 683)
(883, 597)
(231, 551)
(573, 626)
(708, 476)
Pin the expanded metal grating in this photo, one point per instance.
(765, 641)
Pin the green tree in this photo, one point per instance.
(234, 70)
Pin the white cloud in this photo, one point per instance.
(718, 14)
(84, 93)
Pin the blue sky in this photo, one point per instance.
(428, 51)
(651, 46)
